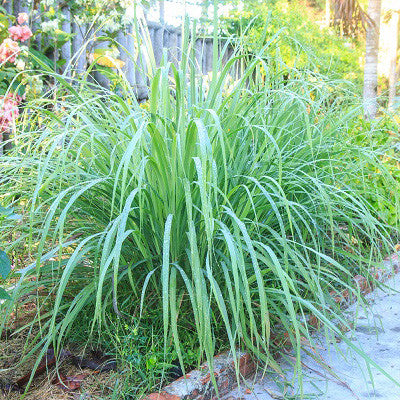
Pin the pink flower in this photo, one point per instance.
(8, 50)
(22, 17)
(20, 32)
(8, 110)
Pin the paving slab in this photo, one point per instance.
(376, 332)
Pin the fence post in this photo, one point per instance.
(100, 78)
(66, 47)
(141, 75)
(121, 40)
(151, 33)
(16, 7)
(209, 55)
(204, 56)
(199, 54)
(131, 56)
(179, 44)
(173, 47)
(78, 46)
(165, 37)
(8, 6)
(36, 22)
(158, 44)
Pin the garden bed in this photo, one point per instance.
(93, 383)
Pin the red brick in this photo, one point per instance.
(361, 282)
(314, 322)
(246, 365)
(206, 379)
(161, 396)
(182, 378)
(223, 384)
(345, 294)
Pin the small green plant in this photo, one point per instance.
(5, 264)
(5, 268)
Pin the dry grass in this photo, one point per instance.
(94, 386)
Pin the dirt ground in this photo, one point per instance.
(93, 386)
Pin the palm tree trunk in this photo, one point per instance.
(394, 44)
(371, 60)
(327, 12)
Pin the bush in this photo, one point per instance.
(234, 215)
(380, 136)
(300, 39)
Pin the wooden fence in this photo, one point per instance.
(78, 50)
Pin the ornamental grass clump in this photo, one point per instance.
(233, 212)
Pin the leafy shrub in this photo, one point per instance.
(6, 214)
(234, 214)
(299, 40)
(381, 137)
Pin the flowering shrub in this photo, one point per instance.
(20, 32)
(9, 110)
(14, 61)
(22, 18)
(9, 51)
(16, 84)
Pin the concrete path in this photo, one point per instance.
(377, 332)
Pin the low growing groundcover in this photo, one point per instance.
(201, 221)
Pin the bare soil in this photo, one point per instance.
(14, 347)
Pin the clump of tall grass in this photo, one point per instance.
(233, 210)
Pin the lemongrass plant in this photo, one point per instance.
(234, 209)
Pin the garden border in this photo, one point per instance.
(197, 384)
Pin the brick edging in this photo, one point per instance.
(197, 385)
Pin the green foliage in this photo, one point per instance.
(111, 15)
(16, 76)
(380, 136)
(7, 75)
(5, 264)
(302, 43)
(4, 25)
(230, 213)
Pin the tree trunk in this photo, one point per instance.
(327, 12)
(394, 44)
(371, 60)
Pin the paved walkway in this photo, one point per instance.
(377, 332)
